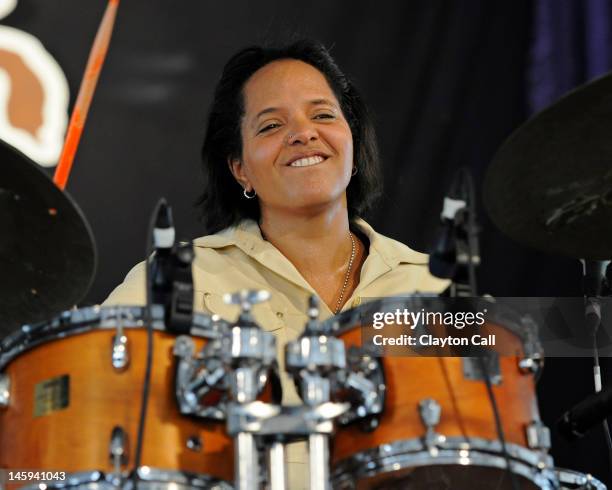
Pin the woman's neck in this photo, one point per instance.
(320, 247)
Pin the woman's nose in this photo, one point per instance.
(302, 132)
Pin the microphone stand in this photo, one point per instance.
(169, 283)
(597, 283)
(456, 253)
(457, 260)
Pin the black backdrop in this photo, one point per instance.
(445, 81)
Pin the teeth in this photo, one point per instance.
(306, 162)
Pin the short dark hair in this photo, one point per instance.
(221, 206)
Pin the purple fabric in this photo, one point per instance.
(598, 37)
(572, 44)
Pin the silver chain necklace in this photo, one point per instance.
(347, 276)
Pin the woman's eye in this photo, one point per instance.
(324, 115)
(268, 127)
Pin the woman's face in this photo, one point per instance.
(297, 147)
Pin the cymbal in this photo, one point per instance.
(47, 250)
(550, 184)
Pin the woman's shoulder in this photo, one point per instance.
(407, 269)
(243, 234)
(210, 255)
(392, 250)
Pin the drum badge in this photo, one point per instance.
(51, 395)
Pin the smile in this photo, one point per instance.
(307, 162)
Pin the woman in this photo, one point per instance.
(291, 163)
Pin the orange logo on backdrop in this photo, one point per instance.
(33, 94)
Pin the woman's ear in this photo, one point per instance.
(237, 169)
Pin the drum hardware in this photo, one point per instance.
(194, 443)
(364, 380)
(572, 480)
(430, 411)
(538, 436)
(472, 367)
(314, 360)
(118, 452)
(246, 352)
(284, 424)
(148, 479)
(153, 479)
(73, 322)
(276, 463)
(172, 479)
(197, 375)
(5, 390)
(533, 353)
(466, 452)
(278, 425)
(120, 356)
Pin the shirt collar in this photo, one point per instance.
(247, 237)
(391, 251)
(384, 253)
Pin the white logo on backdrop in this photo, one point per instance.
(33, 94)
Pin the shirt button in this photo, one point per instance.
(356, 301)
(279, 314)
(206, 295)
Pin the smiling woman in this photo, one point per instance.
(290, 164)
(297, 149)
(283, 90)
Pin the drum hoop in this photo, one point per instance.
(535, 466)
(98, 480)
(82, 320)
(348, 320)
(581, 479)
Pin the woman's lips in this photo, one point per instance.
(307, 161)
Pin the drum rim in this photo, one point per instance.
(146, 474)
(584, 478)
(81, 320)
(412, 453)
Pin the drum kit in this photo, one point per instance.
(70, 382)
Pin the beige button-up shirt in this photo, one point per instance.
(239, 258)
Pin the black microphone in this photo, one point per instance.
(594, 284)
(443, 256)
(577, 421)
(170, 272)
(594, 275)
(606, 288)
(161, 263)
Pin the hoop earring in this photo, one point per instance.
(247, 195)
(354, 171)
